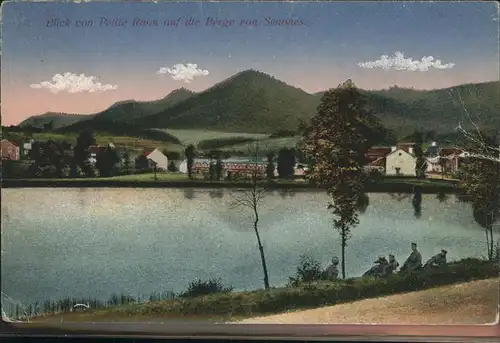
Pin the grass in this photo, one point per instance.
(236, 305)
(195, 136)
(267, 144)
(391, 185)
(131, 143)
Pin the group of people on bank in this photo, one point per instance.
(384, 267)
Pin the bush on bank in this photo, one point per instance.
(313, 294)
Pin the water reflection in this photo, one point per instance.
(181, 240)
(417, 202)
(286, 193)
(189, 193)
(442, 197)
(216, 193)
(363, 202)
(400, 196)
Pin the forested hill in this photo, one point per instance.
(254, 102)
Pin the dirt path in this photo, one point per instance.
(468, 303)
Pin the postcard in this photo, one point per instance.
(250, 162)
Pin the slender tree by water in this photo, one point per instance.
(251, 198)
(337, 141)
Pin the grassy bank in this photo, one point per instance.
(235, 305)
(176, 180)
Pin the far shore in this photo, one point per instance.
(388, 185)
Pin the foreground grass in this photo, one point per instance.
(238, 305)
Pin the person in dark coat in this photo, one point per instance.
(437, 260)
(392, 265)
(414, 261)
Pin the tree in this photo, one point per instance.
(251, 198)
(172, 155)
(337, 140)
(270, 166)
(481, 179)
(51, 155)
(82, 151)
(420, 163)
(106, 160)
(286, 163)
(219, 168)
(142, 163)
(190, 154)
(171, 167)
(480, 172)
(126, 162)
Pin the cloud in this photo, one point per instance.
(184, 72)
(73, 83)
(399, 62)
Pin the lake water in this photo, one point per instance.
(95, 242)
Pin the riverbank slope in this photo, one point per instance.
(232, 306)
(470, 303)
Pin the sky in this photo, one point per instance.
(82, 58)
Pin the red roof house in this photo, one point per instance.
(9, 150)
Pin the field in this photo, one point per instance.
(195, 136)
(131, 143)
(267, 144)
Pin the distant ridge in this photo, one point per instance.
(255, 102)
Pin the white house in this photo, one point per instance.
(400, 162)
(159, 159)
(27, 146)
(434, 165)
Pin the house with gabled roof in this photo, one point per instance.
(157, 158)
(401, 161)
(9, 150)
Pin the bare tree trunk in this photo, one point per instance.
(343, 243)
(487, 242)
(490, 246)
(261, 248)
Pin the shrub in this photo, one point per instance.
(199, 288)
(320, 293)
(308, 270)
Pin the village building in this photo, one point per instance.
(433, 150)
(375, 158)
(401, 161)
(158, 159)
(9, 150)
(27, 147)
(231, 166)
(93, 151)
